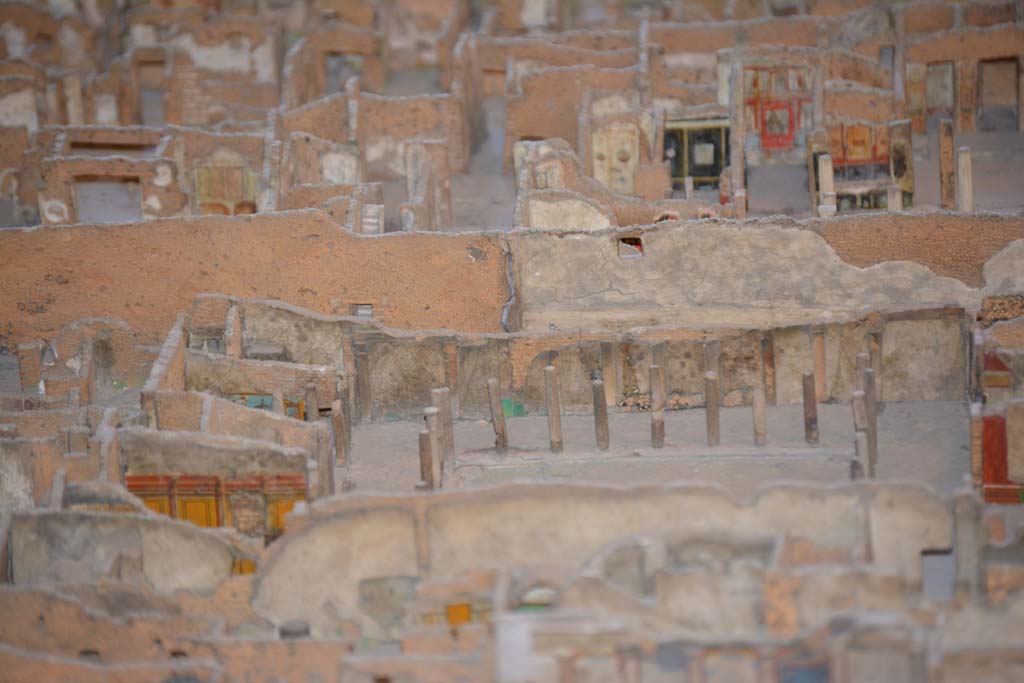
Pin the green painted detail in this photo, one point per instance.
(533, 608)
(512, 408)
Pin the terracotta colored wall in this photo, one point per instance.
(681, 37)
(965, 48)
(386, 123)
(592, 39)
(928, 18)
(327, 116)
(954, 246)
(38, 459)
(145, 273)
(540, 111)
(967, 45)
(495, 53)
(305, 77)
(66, 628)
(986, 14)
(36, 21)
(861, 104)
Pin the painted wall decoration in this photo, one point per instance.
(778, 105)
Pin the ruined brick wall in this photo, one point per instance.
(863, 104)
(494, 53)
(414, 30)
(154, 452)
(175, 411)
(313, 196)
(29, 465)
(200, 97)
(305, 76)
(41, 423)
(328, 117)
(160, 196)
(113, 349)
(298, 75)
(14, 160)
(67, 627)
(502, 524)
(966, 244)
(966, 48)
(707, 38)
(220, 375)
(596, 39)
(928, 17)
(201, 561)
(539, 111)
(56, 40)
(401, 370)
(386, 123)
(556, 194)
(142, 274)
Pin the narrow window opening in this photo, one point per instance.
(100, 149)
(49, 356)
(151, 77)
(885, 56)
(784, 8)
(938, 574)
(631, 247)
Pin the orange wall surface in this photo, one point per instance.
(144, 273)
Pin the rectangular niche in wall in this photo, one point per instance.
(151, 77)
(998, 84)
(151, 106)
(106, 149)
(108, 200)
(939, 92)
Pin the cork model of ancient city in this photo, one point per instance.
(511, 341)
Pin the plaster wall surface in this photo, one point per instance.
(50, 547)
(28, 467)
(154, 452)
(226, 376)
(444, 535)
(924, 357)
(763, 274)
(19, 109)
